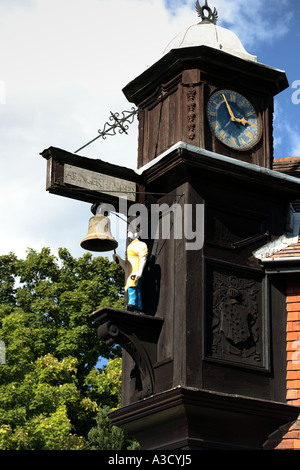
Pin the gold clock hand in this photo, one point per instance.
(244, 122)
(229, 108)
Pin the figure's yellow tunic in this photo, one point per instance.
(136, 250)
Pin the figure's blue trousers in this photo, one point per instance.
(135, 296)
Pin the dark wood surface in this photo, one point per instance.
(189, 419)
(244, 210)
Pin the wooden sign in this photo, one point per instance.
(93, 181)
(89, 180)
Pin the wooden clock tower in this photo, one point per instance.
(209, 92)
(204, 365)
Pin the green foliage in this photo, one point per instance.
(50, 389)
(105, 436)
(105, 386)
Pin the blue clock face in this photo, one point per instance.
(233, 120)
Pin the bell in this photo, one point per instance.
(99, 237)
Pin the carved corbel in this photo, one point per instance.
(137, 334)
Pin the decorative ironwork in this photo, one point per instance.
(115, 122)
(206, 13)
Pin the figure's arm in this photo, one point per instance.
(119, 260)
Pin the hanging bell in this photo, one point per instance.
(99, 237)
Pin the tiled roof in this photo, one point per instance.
(290, 166)
(292, 251)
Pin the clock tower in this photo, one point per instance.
(207, 91)
(204, 365)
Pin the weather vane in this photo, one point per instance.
(206, 13)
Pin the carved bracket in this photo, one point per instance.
(137, 334)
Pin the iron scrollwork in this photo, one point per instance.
(115, 123)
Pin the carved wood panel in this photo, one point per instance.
(236, 316)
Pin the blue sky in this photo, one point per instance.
(63, 64)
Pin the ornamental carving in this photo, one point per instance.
(191, 115)
(235, 328)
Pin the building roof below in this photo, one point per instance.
(292, 251)
(289, 166)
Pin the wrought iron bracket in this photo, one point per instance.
(137, 334)
(115, 122)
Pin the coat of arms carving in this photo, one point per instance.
(235, 331)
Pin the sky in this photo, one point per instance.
(63, 65)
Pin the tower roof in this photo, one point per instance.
(209, 34)
(204, 44)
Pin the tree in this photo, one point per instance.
(105, 436)
(50, 388)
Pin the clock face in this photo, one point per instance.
(233, 120)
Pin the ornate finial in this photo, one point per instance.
(207, 15)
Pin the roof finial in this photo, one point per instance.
(206, 14)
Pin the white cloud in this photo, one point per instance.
(253, 21)
(63, 66)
